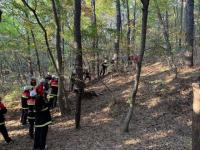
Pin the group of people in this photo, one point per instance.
(36, 102)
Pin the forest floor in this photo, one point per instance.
(161, 121)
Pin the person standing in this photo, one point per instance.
(54, 92)
(3, 129)
(42, 121)
(104, 66)
(25, 96)
(31, 112)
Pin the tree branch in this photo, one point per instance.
(45, 33)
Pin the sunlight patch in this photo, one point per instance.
(132, 141)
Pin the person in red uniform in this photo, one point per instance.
(3, 129)
(25, 96)
(31, 112)
(42, 120)
(54, 92)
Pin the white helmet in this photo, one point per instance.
(27, 87)
(42, 80)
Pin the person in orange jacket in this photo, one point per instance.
(3, 129)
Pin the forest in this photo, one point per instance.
(110, 74)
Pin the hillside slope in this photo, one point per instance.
(162, 116)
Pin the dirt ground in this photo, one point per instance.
(161, 121)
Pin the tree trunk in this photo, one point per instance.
(118, 25)
(196, 117)
(78, 60)
(134, 25)
(181, 26)
(61, 92)
(1, 15)
(29, 57)
(145, 3)
(189, 39)
(128, 29)
(94, 41)
(170, 57)
(36, 52)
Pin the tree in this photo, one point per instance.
(165, 29)
(189, 20)
(118, 31)
(129, 115)
(1, 15)
(78, 60)
(128, 28)
(61, 89)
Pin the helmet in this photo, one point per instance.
(33, 93)
(25, 88)
(42, 80)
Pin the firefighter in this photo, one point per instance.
(42, 120)
(104, 66)
(25, 96)
(31, 112)
(54, 92)
(3, 129)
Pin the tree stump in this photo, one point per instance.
(196, 117)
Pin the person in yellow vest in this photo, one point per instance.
(3, 129)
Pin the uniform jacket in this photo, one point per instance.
(43, 117)
(3, 110)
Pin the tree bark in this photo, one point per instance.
(145, 3)
(196, 117)
(78, 60)
(94, 41)
(64, 109)
(118, 25)
(189, 39)
(1, 12)
(128, 29)
(181, 26)
(36, 52)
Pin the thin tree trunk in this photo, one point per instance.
(94, 42)
(36, 52)
(1, 12)
(78, 60)
(181, 26)
(61, 92)
(128, 29)
(118, 25)
(170, 57)
(145, 3)
(29, 57)
(134, 25)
